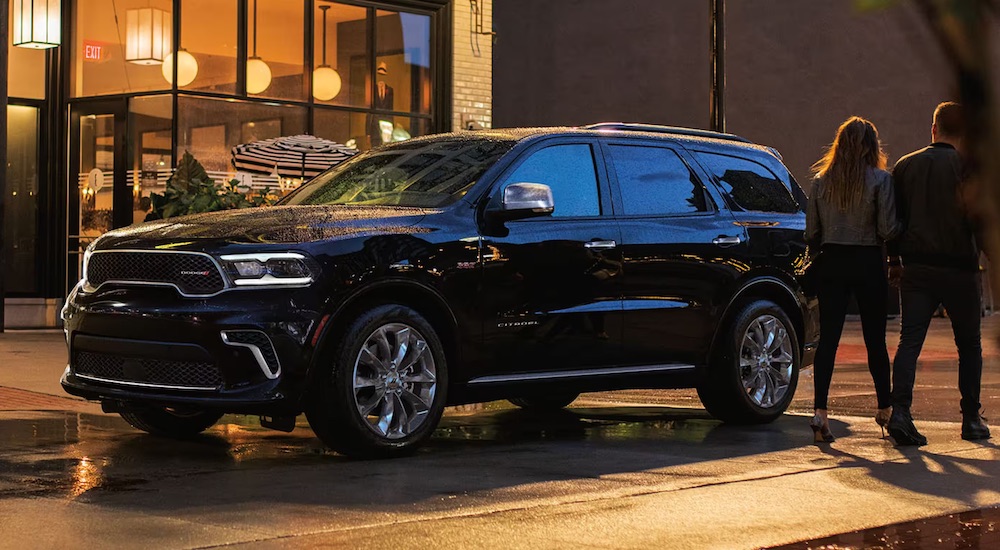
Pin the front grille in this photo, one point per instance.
(193, 274)
(159, 372)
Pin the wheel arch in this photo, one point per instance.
(422, 298)
(764, 287)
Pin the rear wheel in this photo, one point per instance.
(545, 402)
(755, 368)
(169, 422)
(382, 390)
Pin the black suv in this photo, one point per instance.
(526, 264)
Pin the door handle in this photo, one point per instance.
(600, 245)
(726, 240)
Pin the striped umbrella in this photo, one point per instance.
(301, 156)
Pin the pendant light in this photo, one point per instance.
(147, 36)
(187, 68)
(326, 80)
(36, 24)
(258, 73)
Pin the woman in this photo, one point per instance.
(851, 214)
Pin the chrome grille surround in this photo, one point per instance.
(193, 274)
(260, 345)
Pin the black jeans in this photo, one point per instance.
(923, 289)
(843, 271)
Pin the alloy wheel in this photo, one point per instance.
(394, 380)
(766, 361)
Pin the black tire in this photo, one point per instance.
(172, 423)
(333, 407)
(722, 390)
(545, 403)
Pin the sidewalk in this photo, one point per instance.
(614, 474)
(31, 363)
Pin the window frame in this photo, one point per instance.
(711, 193)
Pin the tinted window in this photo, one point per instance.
(423, 173)
(750, 185)
(654, 180)
(569, 171)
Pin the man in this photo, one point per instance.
(935, 261)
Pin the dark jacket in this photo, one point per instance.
(937, 230)
(869, 223)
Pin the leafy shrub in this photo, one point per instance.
(190, 190)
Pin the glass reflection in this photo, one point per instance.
(211, 42)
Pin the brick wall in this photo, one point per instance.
(472, 92)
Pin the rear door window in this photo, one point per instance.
(749, 185)
(570, 171)
(656, 181)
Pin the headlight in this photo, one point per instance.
(278, 269)
(86, 262)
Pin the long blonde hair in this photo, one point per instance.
(846, 161)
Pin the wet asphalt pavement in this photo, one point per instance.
(635, 469)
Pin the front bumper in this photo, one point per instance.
(238, 352)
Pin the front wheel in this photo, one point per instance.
(754, 370)
(168, 422)
(382, 388)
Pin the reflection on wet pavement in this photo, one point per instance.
(972, 530)
(73, 454)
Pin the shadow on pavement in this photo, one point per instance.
(99, 459)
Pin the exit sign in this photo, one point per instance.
(94, 51)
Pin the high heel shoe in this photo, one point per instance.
(821, 430)
(882, 418)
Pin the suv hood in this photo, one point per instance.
(278, 224)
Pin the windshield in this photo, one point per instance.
(428, 174)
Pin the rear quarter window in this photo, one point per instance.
(748, 185)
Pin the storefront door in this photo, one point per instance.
(100, 197)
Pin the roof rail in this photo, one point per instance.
(636, 127)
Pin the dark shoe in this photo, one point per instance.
(821, 430)
(974, 427)
(901, 428)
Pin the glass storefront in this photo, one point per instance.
(114, 47)
(209, 128)
(358, 73)
(209, 46)
(20, 215)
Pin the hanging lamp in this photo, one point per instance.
(258, 73)
(147, 36)
(326, 80)
(36, 24)
(187, 68)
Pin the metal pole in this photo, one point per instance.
(717, 110)
(4, 17)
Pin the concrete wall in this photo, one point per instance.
(472, 88)
(795, 70)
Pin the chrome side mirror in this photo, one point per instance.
(528, 199)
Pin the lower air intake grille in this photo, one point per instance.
(155, 372)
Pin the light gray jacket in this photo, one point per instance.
(870, 223)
